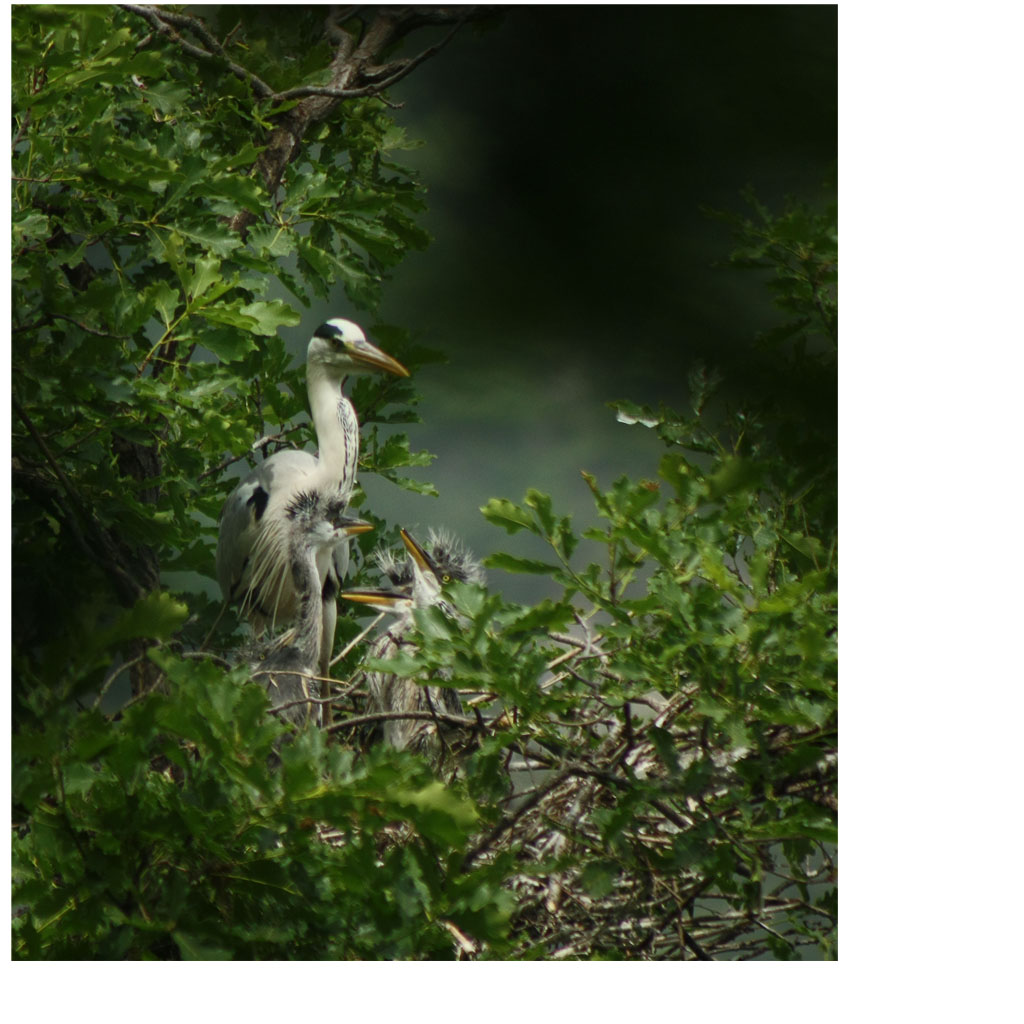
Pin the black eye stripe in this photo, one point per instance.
(328, 332)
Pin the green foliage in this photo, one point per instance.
(145, 340)
(652, 771)
(177, 832)
(799, 248)
(797, 253)
(689, 723)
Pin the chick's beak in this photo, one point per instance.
(419, 555)
(351, 527)
(381, 600)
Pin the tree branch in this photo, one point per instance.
(387, 716)
(354, 71)
(43, 322)
(163, 22)
(254, 447)
(101, 549)
(378, 78)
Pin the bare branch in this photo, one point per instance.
(254, 447)
(163, 21)
(386, 716)
(78, 323)
(378, 78)
(333, 27)
(108, 682)
(352, 643)
(354, 71)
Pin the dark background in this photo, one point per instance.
(568, 153)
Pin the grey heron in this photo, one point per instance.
(417, 582)
(252, 543)
(312, 523)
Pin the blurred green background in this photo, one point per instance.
(568, 153)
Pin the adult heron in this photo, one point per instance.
(313, 523)
(417, 582)
(252, 544)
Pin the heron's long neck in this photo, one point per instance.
(309, 618)
(337, 429)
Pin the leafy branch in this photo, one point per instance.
(353, 72)
(166, 23)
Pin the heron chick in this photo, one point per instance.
(417, 582)
(314, 523)
(253, 561)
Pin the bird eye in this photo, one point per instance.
(446, 578)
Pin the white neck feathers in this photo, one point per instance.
(337, 429)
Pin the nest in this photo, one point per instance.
(586, 890)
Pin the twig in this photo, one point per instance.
(336, 697)
(23, 127)
(130, 587)
(37, 437)
(201, 655)
(466, 945)
(216, 623)
(162, 20)
(305, 675)
(194, 25)
(352, 643)
(332, 23)
(142, 694)
(81, 326)
(510, 819)
(402, 68)
(386, 716)
(564, 638)
(255, 446)
(108, 682)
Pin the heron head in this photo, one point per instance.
(420, 579)
(344, 525)
(443, 557)
(321, 519)
(340, 347)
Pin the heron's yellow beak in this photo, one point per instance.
(382, 600)
(351, 527)
(368, 355)
(419, 554)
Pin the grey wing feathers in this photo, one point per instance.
(244, 521)
(233, 541)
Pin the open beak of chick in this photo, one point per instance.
(393, 601)
(419, 555)
(397, 599)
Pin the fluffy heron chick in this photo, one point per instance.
(287, 667)
(418, 581)
(253, 560)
